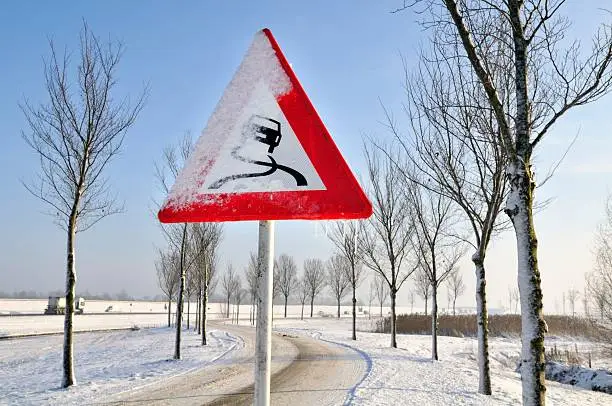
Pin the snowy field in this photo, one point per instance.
(37, 306)
(407, 376)
(105, 363)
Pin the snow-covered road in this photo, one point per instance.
(305, 371)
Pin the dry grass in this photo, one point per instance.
(499, 326)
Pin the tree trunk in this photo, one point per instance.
(199, 312)
(311, 305)
(434, 322)
(68, 364)
(482, 321)
(188, 310)
(227, 311)
(519, 208)
(181, 293)
(204, 310)
(338, 307)
(425, 305)
(454, 303)
(381, 305)
(393, 319)
(302, 316)
(237, 313)
(286, 297)
(169, 311)
(354, 337)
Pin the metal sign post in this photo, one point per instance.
(263, 340)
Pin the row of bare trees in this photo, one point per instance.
(495, 79)
(599, 281)
(187, 266)
(336, 274)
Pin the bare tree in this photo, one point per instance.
(287, 277)
(423, 287)
(251, 278)
(345, 235)
(513, 297)
(229, 284)
(548, 79)
(337, 277)
(177, 235)
(586, 303)
(455, 286)
(572, 296)
(435, 243)
(382, 291)
(239, 295)
(599, 280)
(167, 276)
(314, 277)
(385, 243)
(371, 297)
(453, 149)
(190, 287)
(206, 238)
(76, 134)
(303, 293)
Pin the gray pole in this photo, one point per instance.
(263, 344)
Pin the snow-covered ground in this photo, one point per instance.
(407, 376)
(105, 363)
(110, 363)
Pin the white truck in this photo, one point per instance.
(57, 305)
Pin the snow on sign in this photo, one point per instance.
(265, 153)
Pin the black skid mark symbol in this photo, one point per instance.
(300, 180)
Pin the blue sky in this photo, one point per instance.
(346, 55)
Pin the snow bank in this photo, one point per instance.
(597, 380)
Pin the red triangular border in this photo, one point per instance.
(342, 199)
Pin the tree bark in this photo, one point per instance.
(68, 364)
(204, 310)
(286, 297)
(482, 321)
(302, 316)
(188, 310)
(181, 292)
(425, 305)
(434, 322)
(311, 305)
(338, 307)
(169, 312)
(519, 208)
(354, 337)
(198, 311)
(393, 320)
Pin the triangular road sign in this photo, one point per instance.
(264, 154)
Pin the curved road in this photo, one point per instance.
(305, 371)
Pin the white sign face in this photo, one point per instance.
(261, 152)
